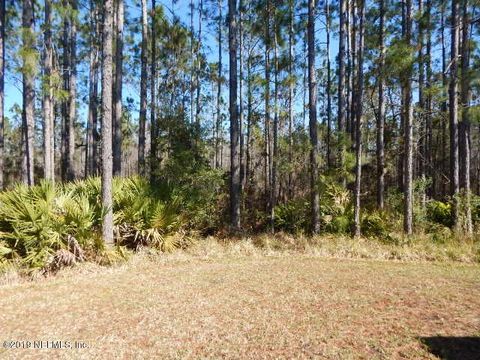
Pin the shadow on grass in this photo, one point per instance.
(453, 348)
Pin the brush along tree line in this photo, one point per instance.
(340, 116)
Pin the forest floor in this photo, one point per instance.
(254, 306)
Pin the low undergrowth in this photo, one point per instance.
(50, 226)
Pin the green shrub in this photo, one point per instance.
(53, 225)
(292, 216)
(375, 224)
(341, 224)
(440, 213)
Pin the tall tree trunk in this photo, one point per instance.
(198, 69)
(117, 90)
(28, 74)
(234, 133)
(267, 104)
(240, 95)
(453, 112)
(329, 86)
(465, 124)
(312, 105)
(444, 102)
(273, 189)
(69, 107)
(90, 162)
(48, 105)
(248, 169)
(107, 162)
(192, 59)
(352, 71)
(381, 113)
(408, 126)
(341, 83)
(153, 116)
(421, 101)
(218, 120)
(143, 91)
(428, 116)
(358, 115)
(290, 95)
(2, 90)
(72, 101)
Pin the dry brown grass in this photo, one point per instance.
(217, 301)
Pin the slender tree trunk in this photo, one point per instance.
(358, 122)
(240, 96)
(90, 167)
(312, 105)
(71, 173)
(28, 74)
(329, 87)
(218, 122)
(381, 114)
(352, 70)
(69, 85)
(234, 127)
(290, 95)
(48, 96)
(428, 115)
(453, 112)
(267, 104)
(2, 90)
(143, 91)
(421, 101)
(117, 90)
(107, 161)
(153, 123)
(192, 58)
(408, 126)
(198, 69)
(465, 124)
(273, 189)
(248, 169)
(341, 84)
(444, 102)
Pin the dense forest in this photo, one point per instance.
(352, 116)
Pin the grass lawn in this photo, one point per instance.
(289, 306)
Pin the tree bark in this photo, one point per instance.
(107, 162)
(267, 154)
(329, 86)
(312, 106)
(48, 104)
(91, 151)
(341, 84)
(117, 90)
(453, 112)
(422, 164)
(273, 189)
(290, 95)
(465, 96)
(218, 120)
(428, 116)
(28, 74)
(358, 116)
(408, 126)
(143, 91)
(234, 127)
(381, 114)
(198, 69)
(153, 125)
